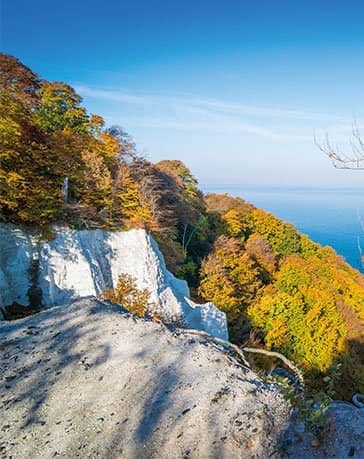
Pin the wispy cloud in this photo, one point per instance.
(109, 94)
(208, 104)
(188, 125)
(194, 113)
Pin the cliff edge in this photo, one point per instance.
(89, 380)
(79, 264)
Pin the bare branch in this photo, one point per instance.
(341, 160)
(280, 356)
(240, 352)
(218, 341)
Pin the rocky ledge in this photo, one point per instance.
(90, 380)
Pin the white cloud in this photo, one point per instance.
(204, 104)
(186, 112)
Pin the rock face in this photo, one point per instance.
(78, 264)
(15, 262)
(89, 380)
(344, 439)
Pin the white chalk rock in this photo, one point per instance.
(90, 381)
(79, 264)
(15, 263)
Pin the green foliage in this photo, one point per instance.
(60, 108)
(189, 272)
(282, 237)
(312, 408)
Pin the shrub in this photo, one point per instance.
(128, 295)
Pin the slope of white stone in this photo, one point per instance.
(15, 262)
(79, 264)
(90, 381)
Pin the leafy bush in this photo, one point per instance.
(129, 296)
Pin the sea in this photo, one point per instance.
(328, 216)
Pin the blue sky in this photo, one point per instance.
(235, 89)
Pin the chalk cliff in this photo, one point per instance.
(79, 264)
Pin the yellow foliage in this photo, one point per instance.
(282, 237)
(230, 279)
(236, 224)
(301, 298)
(128, 295)
(129, 202)
(97, 181)
(304, 309)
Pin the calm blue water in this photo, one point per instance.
(329, 217)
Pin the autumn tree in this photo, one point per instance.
(190, 208)
(282, 237)
(19, 81)
(60, 109)
(58, 163)
(48, 140)
(26, 191)
(262, 253)
(231, 280)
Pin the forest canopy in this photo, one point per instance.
(61, 164)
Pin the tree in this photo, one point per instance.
(60, 108)
(231, 280)
(260, 250)
(341, 159)
(181, 174)
(126, 145)
(299, 314)
(18, 80)
(30, 190)
(282, 237)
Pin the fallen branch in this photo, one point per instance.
(240, 352)
(218, 341)
(277, 355)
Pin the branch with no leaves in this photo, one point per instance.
(279, 356)
(341, 160)
(240, 352)
(218, 341)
